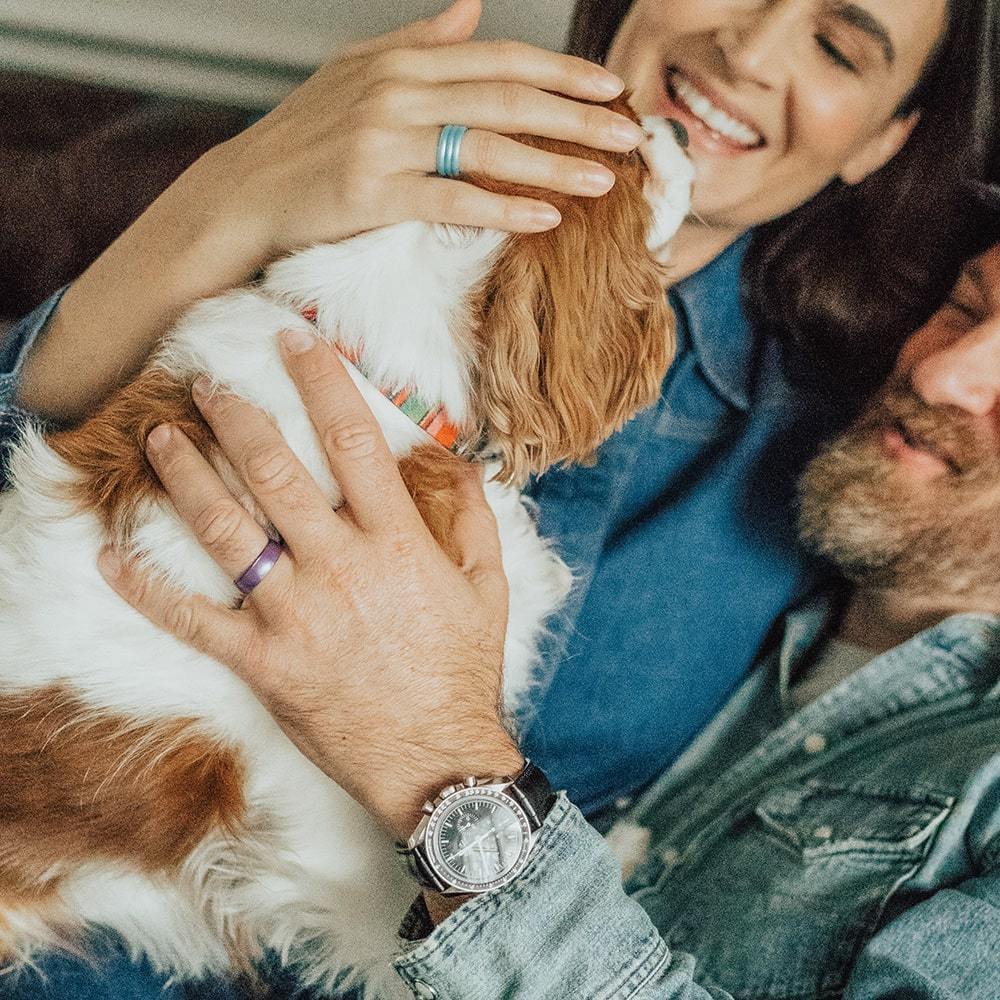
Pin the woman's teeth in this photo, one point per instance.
(715, 118)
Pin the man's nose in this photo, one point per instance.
(964, 372)
(756, 44)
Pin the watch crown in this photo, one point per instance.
(471, 782)
(450, 790)
(428, 807)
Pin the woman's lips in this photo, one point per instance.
(732, 136)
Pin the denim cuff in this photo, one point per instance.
(17, 342)
(14, 347)
(563, 929)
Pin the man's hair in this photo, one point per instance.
(845, 278)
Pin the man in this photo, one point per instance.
(834, 832)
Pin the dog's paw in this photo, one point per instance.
(668, 187)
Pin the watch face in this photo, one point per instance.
(478, 839)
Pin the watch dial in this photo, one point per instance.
(480, 839)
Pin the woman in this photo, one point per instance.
(689, 504)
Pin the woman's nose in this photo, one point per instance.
(756, 45)
(963, 373)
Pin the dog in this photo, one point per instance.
(143, 788)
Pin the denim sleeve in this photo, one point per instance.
(14, 347)
(564, 930)
(947, 946)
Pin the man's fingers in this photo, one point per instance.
(280, 483)
(359, 457)
(475, 532)
(214, 630)
(224, 529)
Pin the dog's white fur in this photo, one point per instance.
(318, 882)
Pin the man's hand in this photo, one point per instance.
(379, 657)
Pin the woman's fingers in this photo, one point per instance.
(455, 23)
(219, 632)
(459, 203)
(508, 61)
(224, 529)
(279, 482)
(359, 457)
(513, 108)
(507, 159)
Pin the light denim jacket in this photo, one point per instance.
(850, 849)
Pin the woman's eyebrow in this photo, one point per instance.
(865, 21)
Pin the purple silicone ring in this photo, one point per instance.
(259, 568)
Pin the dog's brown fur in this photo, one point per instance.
(576, 332)
(84, 785)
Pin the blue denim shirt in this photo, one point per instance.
(687, 518)
(683, 539)
(850, 849)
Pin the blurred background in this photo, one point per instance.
(104, 102)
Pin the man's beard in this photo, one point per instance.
(884, 527)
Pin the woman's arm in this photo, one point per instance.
(352, 149)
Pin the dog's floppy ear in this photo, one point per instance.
(577, 334)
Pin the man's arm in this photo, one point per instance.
(947, 946)
(566, 930)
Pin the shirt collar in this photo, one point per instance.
(710, 307)
(963, 649)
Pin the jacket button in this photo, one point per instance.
(814, 743)
(423, 992)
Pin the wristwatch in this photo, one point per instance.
(477, 836)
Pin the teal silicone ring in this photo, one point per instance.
(448, 148)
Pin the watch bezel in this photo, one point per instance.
(436, 859)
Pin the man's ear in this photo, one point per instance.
(880, 149)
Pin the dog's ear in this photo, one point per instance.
(576, 334)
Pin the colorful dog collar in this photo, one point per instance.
(430, 417)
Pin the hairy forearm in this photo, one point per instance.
(184, 247)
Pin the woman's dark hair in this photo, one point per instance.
(843, 279)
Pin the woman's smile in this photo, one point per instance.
(714, 124)
(779, 98)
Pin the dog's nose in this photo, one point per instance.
(680, 133)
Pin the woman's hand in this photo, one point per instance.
(379, 657)
(354, 147)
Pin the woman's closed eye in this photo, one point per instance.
(835, 55)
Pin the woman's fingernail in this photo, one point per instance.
(159, 438)
(297, 341)
(596, 180)
(109, 563)
(626, 134)
(543, 217)
(607, 84)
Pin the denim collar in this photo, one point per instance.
(712, 308)
(961, 652)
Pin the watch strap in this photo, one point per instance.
(418, 867)
(533, 793)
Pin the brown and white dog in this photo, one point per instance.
(143, 788)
